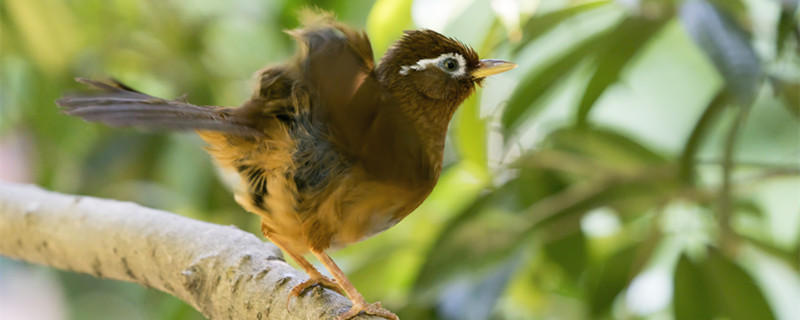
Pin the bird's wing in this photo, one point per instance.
(364, 119)
(336, 63)
(114, 103)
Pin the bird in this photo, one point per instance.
(331, 148)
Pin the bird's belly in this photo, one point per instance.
(339, 215)
(367, 224)
(373, 207)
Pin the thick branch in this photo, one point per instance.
(222, 271)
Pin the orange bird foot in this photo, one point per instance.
(321, 280)
(373, 309)
(315, 280)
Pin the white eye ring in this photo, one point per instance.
(441, 62)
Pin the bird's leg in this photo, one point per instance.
(315, 278)
(359, 304)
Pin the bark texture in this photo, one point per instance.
(223, 272)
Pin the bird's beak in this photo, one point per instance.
(489, 67)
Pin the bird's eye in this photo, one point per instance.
(449, 65)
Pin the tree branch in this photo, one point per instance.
(223, 272)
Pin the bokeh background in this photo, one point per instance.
(641, 163)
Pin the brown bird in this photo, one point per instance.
(330, 149)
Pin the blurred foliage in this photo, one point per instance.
(642, 162)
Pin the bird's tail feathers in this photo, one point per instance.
(116, 104)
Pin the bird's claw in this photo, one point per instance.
(374, 309)
(320, 280)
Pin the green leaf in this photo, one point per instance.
(749, 206)
(699, 132)
(498, 223)
(790, 257)
(471, 138)
(629, 38)
(728, 47)
(606, 280)
(470, 243)
(615, 172)
(619, 192)
(786, 24)
(386, 22)
(789, 92)
(49, 31)
(605, 147)
(525, 101)
(535, 183)
(690, 297)
(483, 234)
(539, 25)
(738, 295)
(569, 250)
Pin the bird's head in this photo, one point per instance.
(435, 66)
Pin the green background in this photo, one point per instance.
(641, 163)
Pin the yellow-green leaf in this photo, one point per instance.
(386, 22)
(471, 133)
(690, 298)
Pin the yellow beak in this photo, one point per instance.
(489, 67)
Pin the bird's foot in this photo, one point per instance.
(373, 309)
(318, 279)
